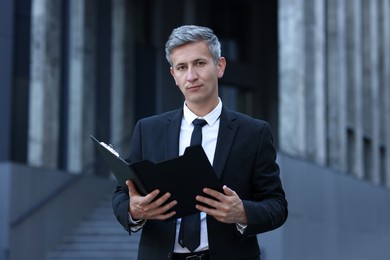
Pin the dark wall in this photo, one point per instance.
(6, 79)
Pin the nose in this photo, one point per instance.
(191, 74)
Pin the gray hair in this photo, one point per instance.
(193, 33)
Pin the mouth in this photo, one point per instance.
(193, 87)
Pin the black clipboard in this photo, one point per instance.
(119, 167)
(184, 176)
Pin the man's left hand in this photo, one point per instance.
(226, 207)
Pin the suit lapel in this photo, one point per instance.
(171, 135)
(226, 134)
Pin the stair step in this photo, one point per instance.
(108, 239)
(96, 246)
(95, 254)
(99, 236)
(98, 231)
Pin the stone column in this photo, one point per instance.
(385, 54)
(302, 38)
(336, 84)
(355, 92)
(45, 83)
(375, 99)
(81, 84)
(370, 90)
(315, 110)
(292, 77)
(122, 73)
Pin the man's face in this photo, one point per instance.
(196, 74)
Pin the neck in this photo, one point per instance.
(202, 109)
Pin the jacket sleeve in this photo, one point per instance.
(120, 205)
(120, 199)
(267, 210)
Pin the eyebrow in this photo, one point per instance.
(179, 65)
(200, 59)
(194, 61)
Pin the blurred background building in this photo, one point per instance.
(317, 70)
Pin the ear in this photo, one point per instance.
(173, 74)
(221, 66)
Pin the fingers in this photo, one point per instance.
(157, 209)
(161, 212)
(153, 210)
(218, 195)
(226, 207)
(133, 192)
(213, 204)
(148, 207)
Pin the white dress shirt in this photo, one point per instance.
(209, 142)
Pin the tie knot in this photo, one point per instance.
(199, 122)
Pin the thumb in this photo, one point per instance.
(228, 191)
(132, 189)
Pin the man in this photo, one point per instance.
(239, 148)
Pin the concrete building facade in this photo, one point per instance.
(317, 70)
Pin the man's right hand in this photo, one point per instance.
(146, 207)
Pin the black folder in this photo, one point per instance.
(184, 176)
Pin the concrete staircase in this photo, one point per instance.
(99, 236)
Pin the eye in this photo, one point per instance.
(180, 68)
(200, 63)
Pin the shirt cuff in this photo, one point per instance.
(241, 228)
(135, 225)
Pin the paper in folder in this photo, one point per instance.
(184, 176)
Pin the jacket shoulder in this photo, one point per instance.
(166, 116)
(241, 118)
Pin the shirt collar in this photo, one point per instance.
(210, 118)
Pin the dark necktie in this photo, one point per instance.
(189, 235)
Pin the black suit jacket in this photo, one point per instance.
(244, 160)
